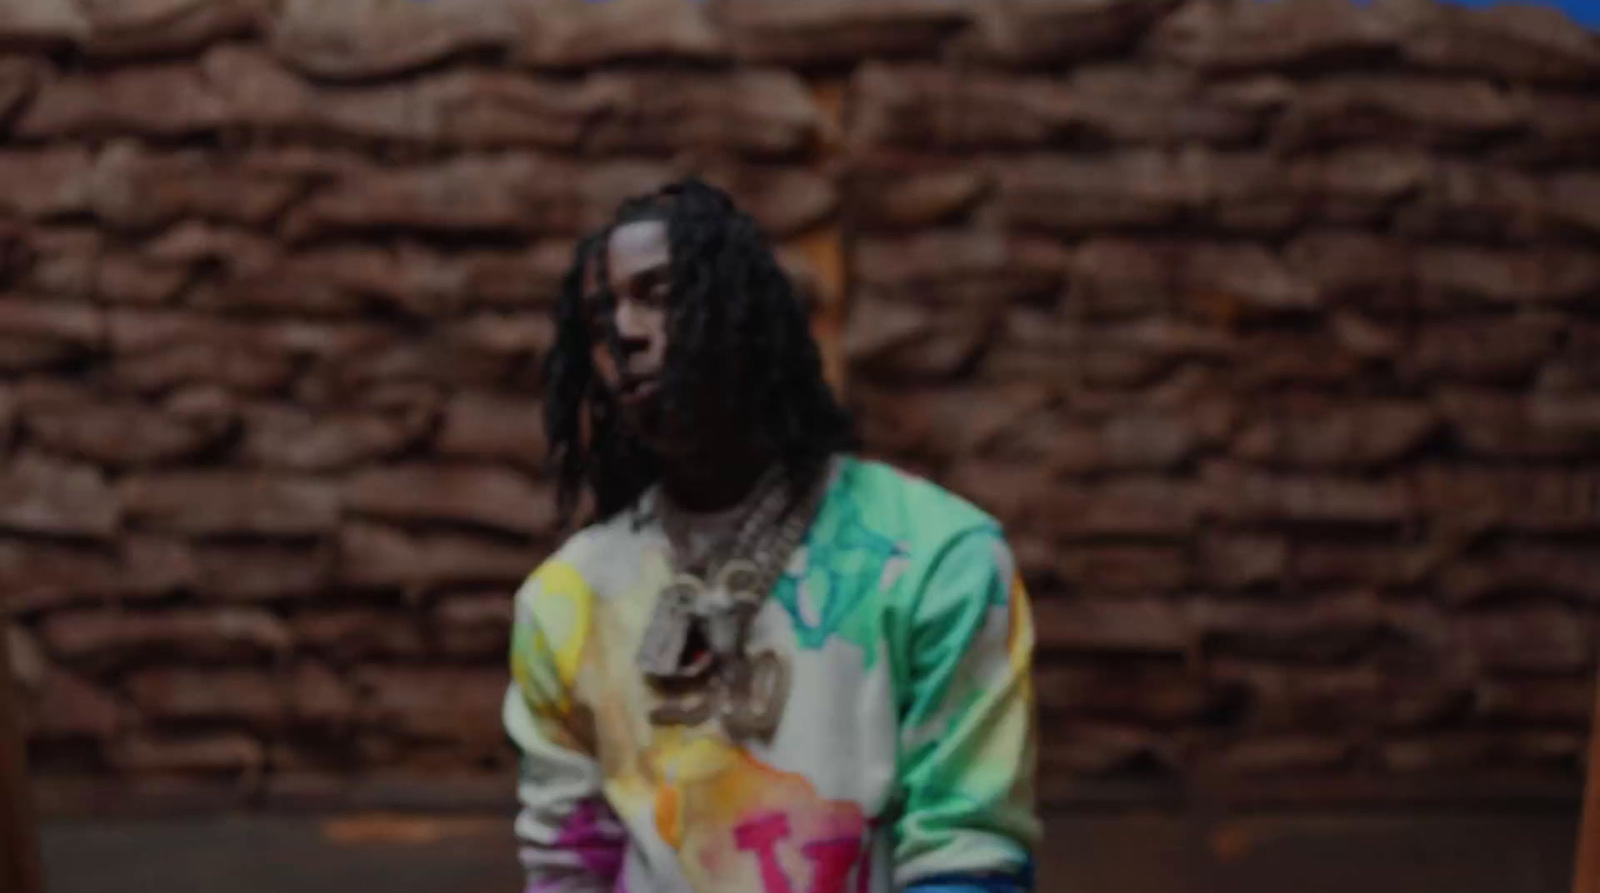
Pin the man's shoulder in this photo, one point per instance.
(582, 560)
(910, 508)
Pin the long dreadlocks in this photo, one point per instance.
(736, 330)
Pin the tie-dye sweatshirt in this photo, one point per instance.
(905, 757)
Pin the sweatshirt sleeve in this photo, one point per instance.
(967, 725)
(568, 838)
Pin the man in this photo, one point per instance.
(764, 666)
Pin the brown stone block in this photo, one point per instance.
(1522, 567)
(48, 496)
(1572, 199)
(374, 38)
(1243, 494)
(1514, 43)
(19, 80)
(374, 556)
(1542, 700)
(1538, 500)
(46, 182)
(317, 696)
(70, 707)
(238, 368)
(1080, 195)
(946, 422)
(1279, 755)
(227, 634)
(956, 268)
(78, 325)
(491, 426)
(466, 109)
(222, 502)
(444, 704)
(126, 28)
(1358, 185)
(903, 342)
(505, 193)
(572, 35)
(1235, 36)
(785, 200)
(1464, 200)
(121, 435)
(474, 625)
(217, 752)
(484, 495)
(135, 189)
(1358, 435)
(1289, 698)
(1396, 111)
(39, 23)
(251, 697)
(1149, 440)
(894, 192)
(1486, 348)
(1099, 568)
(261, 572)
(936, 108)
(1561, 128)
(1133, 506)
(1154, 693)
(1010, 491)
(1239, 560)
(289, 438)
(1128, 625)
(1527, 640)
(1122, 277)
(839, 32)
(760, 112)
(353, 634)
(1048, 33)
(1148, 104)
(166, 101)
(42, 577)
(1355, 268)
(1497, 425)
(1103, 749)
(1329, 628)
(1360, 562)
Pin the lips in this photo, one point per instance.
(633, 391)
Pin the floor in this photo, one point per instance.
(1126, 852)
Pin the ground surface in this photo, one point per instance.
(1418, 852)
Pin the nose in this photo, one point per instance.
(632, 328)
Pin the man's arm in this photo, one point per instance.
(968, 728)
(568, 838)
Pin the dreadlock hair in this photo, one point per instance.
(736, 331)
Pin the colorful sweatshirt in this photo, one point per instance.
(905, 756)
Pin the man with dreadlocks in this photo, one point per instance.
(764, 666)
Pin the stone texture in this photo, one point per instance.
(46, 496)
(230, 502)
(100, 637)
(131, 28)
(1517, 43)
(375, 556)
(1048, 33)
(1232, 35)
(124, 435)
(483, 495)
(249, 697)
(832, 32)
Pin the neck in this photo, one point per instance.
(712, 483)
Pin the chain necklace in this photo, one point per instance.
(694, 652)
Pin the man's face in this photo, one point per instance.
(629, 327)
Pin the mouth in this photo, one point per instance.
(636, 390)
